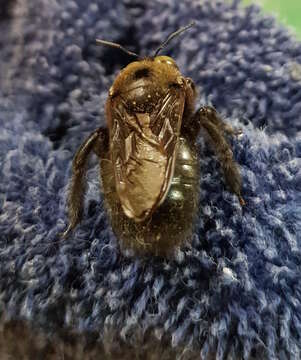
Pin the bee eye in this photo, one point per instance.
(166, 60)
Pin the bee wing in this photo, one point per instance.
(143, 151)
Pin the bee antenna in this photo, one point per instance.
(173, 35)
(117, 46)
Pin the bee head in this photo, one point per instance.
(157, 69)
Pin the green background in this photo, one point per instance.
(286, 11)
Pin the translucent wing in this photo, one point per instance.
(143, 151)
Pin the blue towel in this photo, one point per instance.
(235, 290)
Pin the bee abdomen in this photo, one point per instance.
(173, 221)
(185, 181)
(185, 174)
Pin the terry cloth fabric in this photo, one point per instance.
(235, 290)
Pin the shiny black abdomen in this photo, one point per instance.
(172, 222)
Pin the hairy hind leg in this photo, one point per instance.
(208, 119)
(95, 142)
(212, 115)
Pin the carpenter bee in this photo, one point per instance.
(147, 155)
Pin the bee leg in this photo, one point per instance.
(96, 141)
(213, 116)
(101, 142)
(208, 119)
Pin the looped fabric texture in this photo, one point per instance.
(234, 291)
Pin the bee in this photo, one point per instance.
(148, 157)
